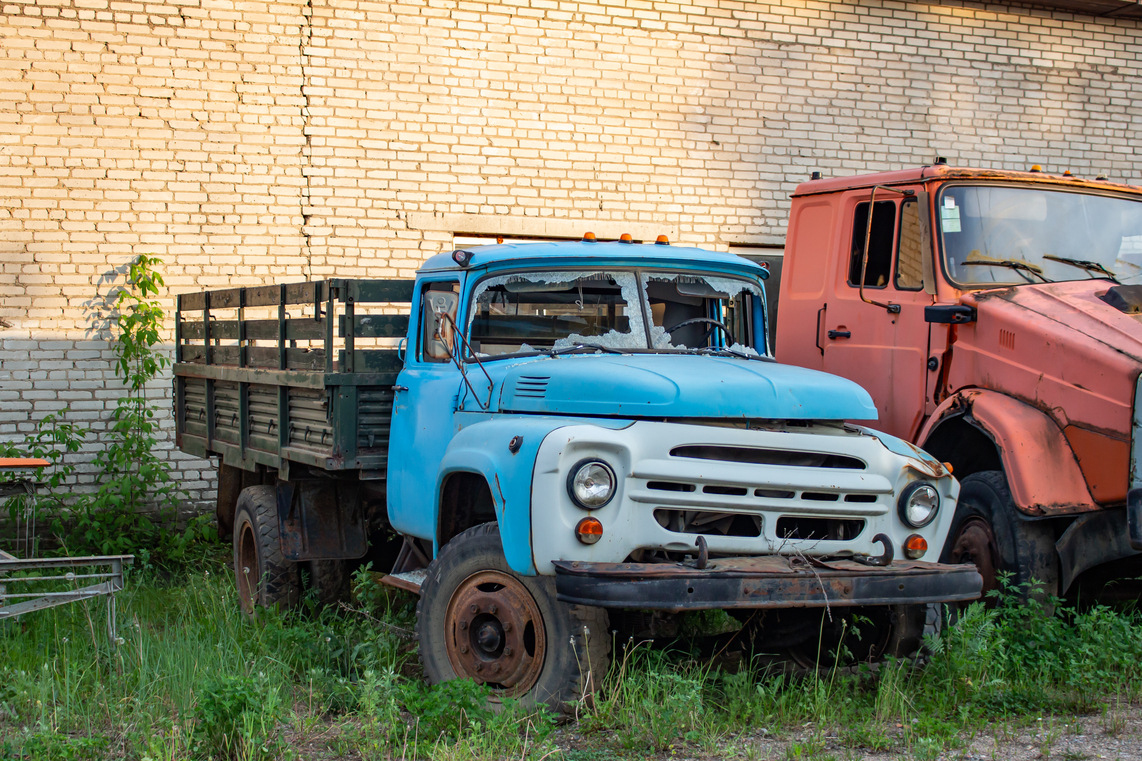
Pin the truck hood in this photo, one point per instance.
(1058, 347)
(677, 386)
(1073, 312)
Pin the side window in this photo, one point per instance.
(909, 265)
(438, 302)
(879, 244)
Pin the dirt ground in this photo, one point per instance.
(1116, 734)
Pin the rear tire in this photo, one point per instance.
(264, 577)
(478, 619)
(989, 532)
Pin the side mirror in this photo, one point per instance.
(439, 324)
(949, 314)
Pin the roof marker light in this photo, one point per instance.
(815, 176)
(662, 240)
(1036, 168)
(626, 238)
(1067, 173)
(462, 257)
(589, 238)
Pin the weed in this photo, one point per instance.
(237, 717)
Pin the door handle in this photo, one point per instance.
(840, 334)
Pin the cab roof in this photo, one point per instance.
(941, 172)
(502, 253)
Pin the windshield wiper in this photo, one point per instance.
(1014, 264)
(723, 351)
(583, 345)
(1085, 264)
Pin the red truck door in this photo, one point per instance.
(879, 338)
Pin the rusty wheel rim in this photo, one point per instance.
(975, 544)
(494, 633)
(246, 569)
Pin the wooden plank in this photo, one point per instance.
(305, 359)
(377, 361)
(22, 463)
(229, 298)
(188, 302)
(225, 355)
(305, 293)
(193, 353)
(262, 356)
(378, 325)
(263, 295)
(377, 291)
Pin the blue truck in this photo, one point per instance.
(550, 441)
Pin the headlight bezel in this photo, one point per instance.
(578, 468)
(906, 499)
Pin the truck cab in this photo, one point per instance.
(992, 316)
(575, 431)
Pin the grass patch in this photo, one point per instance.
(193, 679)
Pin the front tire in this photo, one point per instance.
(264, 577)
(477, 619)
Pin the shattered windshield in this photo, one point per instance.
(1002, 235)
(562, 311)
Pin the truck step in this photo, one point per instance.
(409, 581)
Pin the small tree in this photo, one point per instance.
(131, 475)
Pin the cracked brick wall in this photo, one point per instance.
(247, 143)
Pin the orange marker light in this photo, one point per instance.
(915, 546)
(589, 530)
(948, 467)
(625, 238)
(1036, 168)
(662, 240)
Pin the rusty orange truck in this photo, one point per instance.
(996, 319)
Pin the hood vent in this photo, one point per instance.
(532, 386)
(1125, 298)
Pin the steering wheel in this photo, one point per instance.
(709, 321)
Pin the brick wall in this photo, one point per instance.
(254, 142)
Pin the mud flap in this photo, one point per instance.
(321, 519)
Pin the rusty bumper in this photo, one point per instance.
(770, 581)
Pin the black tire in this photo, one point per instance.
(480, 620)
(989, 532)
(328, 581)
(264, 577)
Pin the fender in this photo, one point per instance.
(483, 448)
(1041, 469)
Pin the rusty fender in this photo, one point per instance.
(769, 581)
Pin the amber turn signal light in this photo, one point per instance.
(589, 530)
(915, 546)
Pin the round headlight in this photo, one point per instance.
(592, 484)
(919, 504)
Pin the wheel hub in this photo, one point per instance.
(975, 544)
(495, 632)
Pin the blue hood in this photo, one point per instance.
(678, 386)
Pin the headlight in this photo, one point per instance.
(919, 503)
(592, 484)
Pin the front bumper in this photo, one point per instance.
(768, 581)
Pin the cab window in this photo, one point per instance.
(438, 304)
(877, 271)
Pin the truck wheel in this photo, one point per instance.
(264, 577)
(988, 533)
(477, 619)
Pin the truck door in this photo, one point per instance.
(423, 409)
(879, 338)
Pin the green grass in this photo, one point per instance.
(191, 678)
